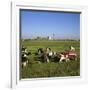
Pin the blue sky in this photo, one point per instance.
(45, 23)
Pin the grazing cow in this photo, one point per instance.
(71, 55)
(40, 51)
(46, 54)
(49, 54)
(63, 57)
(43, 54)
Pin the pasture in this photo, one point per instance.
(38, 69)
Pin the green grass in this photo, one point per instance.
(52, 69)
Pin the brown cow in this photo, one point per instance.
(71, 55)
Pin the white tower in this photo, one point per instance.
(50, 38)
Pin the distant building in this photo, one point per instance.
(50, 38)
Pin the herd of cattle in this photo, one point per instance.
(47, 55)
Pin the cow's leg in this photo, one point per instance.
(24, 64)
(47, 60)
(75, 58)
(61, 59)
(27, 61)
(67, 59)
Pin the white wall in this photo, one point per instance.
(5, 44)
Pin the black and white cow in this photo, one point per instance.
(24, 56)
(24, 60)
(46, 54)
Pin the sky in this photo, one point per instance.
(64, 25)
